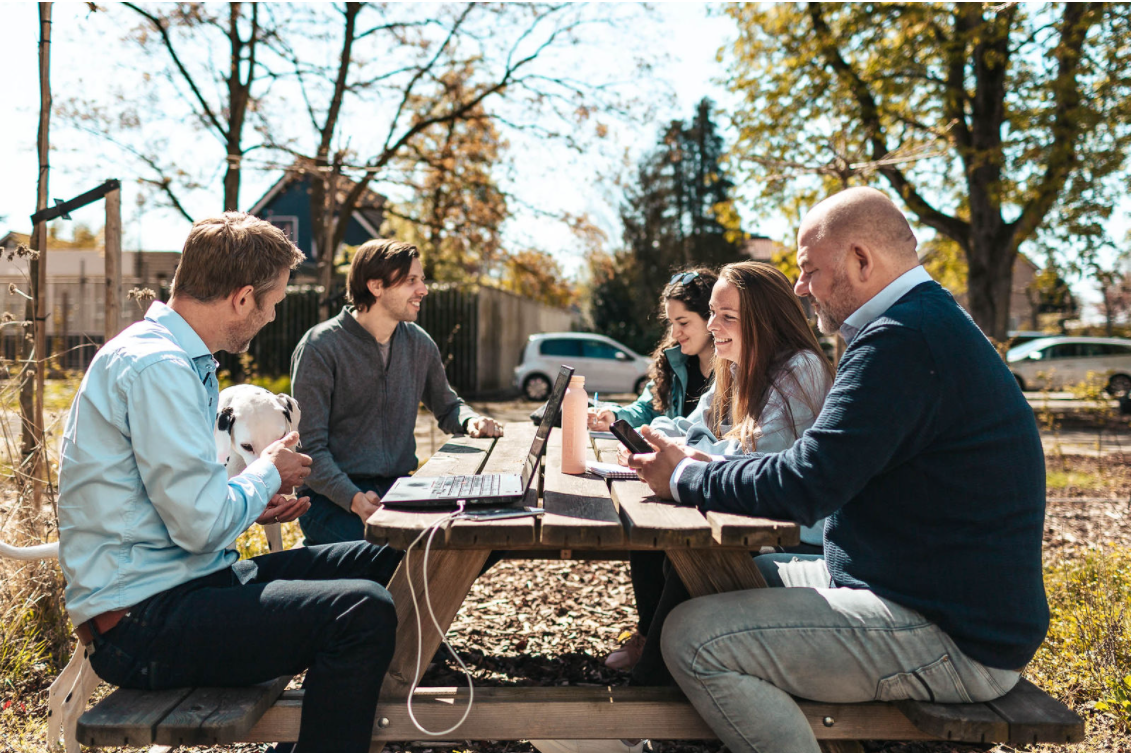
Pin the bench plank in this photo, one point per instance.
(580, 512)
(210, 716)
(970, 722)
(1036, 717)
(128, 717)
(580, 712)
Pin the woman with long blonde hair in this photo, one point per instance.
(770, 381)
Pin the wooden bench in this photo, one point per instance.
(711, 554)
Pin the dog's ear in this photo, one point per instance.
(225, 419)
(290, 410)
(223, 434)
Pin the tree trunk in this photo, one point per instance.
(990, 284)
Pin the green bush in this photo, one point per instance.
(1086, 657)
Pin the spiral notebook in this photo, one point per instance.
(610, 470)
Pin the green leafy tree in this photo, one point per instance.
(993, 123)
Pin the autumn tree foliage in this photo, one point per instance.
(1016, 115)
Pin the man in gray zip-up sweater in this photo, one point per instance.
(359, 378)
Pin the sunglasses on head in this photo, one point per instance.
(682, 278)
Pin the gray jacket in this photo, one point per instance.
(358, 415)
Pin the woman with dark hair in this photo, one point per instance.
(681, 364)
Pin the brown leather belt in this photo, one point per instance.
(104, 623)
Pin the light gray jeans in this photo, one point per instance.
(740, 656)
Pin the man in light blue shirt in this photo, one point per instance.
(148, 518)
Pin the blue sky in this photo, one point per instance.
(549, 178)
(687, 36)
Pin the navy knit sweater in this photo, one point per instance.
(928, 461)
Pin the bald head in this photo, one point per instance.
(865, 216)
(850, 247)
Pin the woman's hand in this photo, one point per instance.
(600, 419)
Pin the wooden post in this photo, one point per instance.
(113, 251)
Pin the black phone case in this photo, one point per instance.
(630, 438)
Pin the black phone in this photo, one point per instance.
(628, 436)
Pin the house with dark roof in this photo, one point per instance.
(287, 206)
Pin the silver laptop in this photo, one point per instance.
(487, 488)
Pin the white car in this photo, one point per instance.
(1059, 362)
(606, 365)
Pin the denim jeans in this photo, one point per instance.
(323, 609)
(740, 656)
(327, 523)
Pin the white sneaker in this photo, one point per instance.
(588, 746)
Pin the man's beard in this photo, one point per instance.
(832, 312)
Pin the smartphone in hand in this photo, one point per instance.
(628, 436)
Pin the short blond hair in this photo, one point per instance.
(225, 253)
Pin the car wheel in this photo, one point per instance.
(641, 383)
(536, 387)
(1119, 384)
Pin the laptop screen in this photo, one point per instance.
(553, 405)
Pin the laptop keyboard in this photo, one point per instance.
(466, 487)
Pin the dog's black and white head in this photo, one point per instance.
(249, 419)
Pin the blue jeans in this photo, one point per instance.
(327, 523)
(323, 609)
(740, 656)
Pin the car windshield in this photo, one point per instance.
(1023, 350)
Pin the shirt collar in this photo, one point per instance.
(182, 332)
(882, 301)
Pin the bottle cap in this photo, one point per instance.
(577, 381)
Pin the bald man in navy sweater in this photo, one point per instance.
(926, 460)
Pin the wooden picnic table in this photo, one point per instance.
(586, 517)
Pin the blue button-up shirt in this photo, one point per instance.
(143, 503)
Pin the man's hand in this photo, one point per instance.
(293, 466)
(656, 468)
(483, 426)
(364, 504)
(283, 510)
(599, 419)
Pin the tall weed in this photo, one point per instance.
(1086, 657)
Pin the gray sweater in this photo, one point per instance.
(358, 415)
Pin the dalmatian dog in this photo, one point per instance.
(249, 419)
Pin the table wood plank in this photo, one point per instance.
(460, 456)
(581, 712)
(751, 533)
(580, 512)
(128, 717)
(211, 716)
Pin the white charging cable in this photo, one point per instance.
(430, 532)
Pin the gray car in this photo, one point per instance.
(1059, 362)
(606, 365)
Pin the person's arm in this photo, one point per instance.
(172, 438)
(451, 412)
(640, 412)
(884, 398)
(312, 384)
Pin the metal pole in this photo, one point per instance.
(113, 252)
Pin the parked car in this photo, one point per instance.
(1058, 362)
(606, 365)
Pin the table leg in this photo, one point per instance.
(450, 575)
(715, 571)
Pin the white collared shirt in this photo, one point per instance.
(873, 309)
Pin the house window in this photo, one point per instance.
(288, 224)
